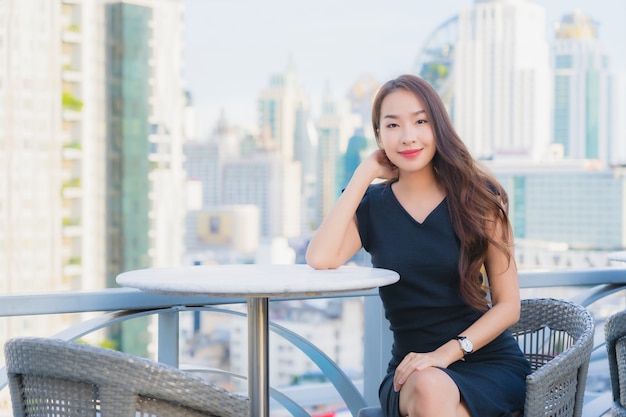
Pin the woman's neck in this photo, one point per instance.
(421, 182)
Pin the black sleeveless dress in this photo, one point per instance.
(425, 309)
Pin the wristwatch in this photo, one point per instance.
(466, 345)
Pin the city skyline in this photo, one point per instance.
(231, 53)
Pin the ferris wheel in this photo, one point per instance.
(435, 61)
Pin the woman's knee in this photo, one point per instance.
(428, 388)
(434, 382)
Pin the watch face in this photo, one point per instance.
(466, 345)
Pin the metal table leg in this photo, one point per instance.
(258, 358)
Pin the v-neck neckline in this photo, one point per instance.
(428, 216)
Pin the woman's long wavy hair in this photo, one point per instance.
(476, 201)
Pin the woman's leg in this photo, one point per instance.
(431, 393)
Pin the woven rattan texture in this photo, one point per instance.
(557, 338)
(50, 377)
(615, 336)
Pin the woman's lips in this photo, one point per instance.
(411, 153)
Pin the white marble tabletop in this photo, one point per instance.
(254, 280)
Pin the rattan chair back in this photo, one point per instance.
(51, 377)
(615, 336)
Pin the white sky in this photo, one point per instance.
(233, 46)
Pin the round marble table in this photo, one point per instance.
(258, 283)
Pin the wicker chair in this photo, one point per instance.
(557, 338)
(615, 335)
(54, 377)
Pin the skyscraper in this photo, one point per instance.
(336, 125)
(585, 93)
(83, 134)
(284, 149)
(145, 135)
(501, 79)
(268, 181)
(30, 145)
(91, 130)
(279, 106)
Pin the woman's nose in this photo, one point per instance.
(409, 137)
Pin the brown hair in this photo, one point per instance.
(476, 201)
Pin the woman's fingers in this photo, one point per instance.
(404, 370)
(411, 363)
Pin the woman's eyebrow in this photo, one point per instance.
(393, 116)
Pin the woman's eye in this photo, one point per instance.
(392, 125)
(421, 121)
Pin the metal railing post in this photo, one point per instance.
(377, 340)
(168, 338)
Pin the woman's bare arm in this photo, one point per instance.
(337, 239)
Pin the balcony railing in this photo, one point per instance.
(589, 287)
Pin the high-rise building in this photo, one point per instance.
(361, 96)
(285, 131)
(305, 142)
(30, 165)
(353, 156)
(576, 204)
(585, 91)
(336, 125)
(91, 129)
(84, 136)
(169, 103)
(270, 182)
(280, 107)
(146, 108)
(203, 161)
(501, 79)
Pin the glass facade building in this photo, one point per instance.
(128, 76)
(145, 134)
(584, 99)
(580, 207)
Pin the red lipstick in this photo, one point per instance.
(411, 153)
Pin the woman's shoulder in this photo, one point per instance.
(377, 194)
(379, 188)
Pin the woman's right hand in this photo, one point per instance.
(382, 166)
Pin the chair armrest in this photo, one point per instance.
(556, 384)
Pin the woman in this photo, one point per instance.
(439, 221)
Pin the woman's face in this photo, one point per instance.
(406, 135)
